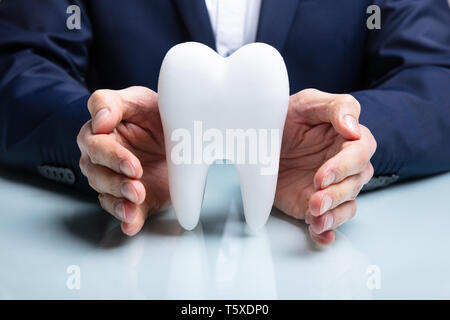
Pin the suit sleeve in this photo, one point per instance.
(407, 105)
(43, 95)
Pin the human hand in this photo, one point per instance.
(325, 161)
(123, 156)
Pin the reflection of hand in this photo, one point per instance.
(325, 161)
(123, 156)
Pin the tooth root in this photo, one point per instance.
(187, 187)
(258, 193)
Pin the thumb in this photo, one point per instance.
(109, 107)
(341, 110)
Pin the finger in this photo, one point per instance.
(132, 228)
(109, 107)
(82, 135)
(120, 208)
(323, 239)
(104, 150)
(341, 110)
(104, 180)
(333, 218)
(331, 197)
(150, 206)
(348, 162)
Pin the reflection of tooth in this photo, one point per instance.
(215, 108)
(188, 259)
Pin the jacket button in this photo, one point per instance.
(69, 176)
(64, 175)
(380, 182)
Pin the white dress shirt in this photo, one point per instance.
(234, 23)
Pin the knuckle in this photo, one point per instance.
(101, 200)
(81, 136)
(83, 164)
(371, 139)
(353, 194)
(344, 100)
(353, 209)
(356, 104)
(97, 99)
(356, 189)
(371, 171)
(98, 96)
(333, 108)
(112, 155)
(79, 139)
(101, 153)
(339, 195)
(365, 130)
(149, 92)
(307, 217)
(341, 171)
(307, 93)
(296, 99)
(109, 157)
(373, 143)
(367, 174)
(96, 153)
(364, 157)
(303, 97)
(361, 165)
(91, 182)
(96, 159)
(92, 146)
(348, 99)
(105, 202)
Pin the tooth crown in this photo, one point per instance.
(202, 93)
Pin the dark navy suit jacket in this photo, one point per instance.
(400, 74)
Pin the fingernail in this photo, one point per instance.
(119, 209)
(126, 168)
(329, 221)
(326, 204)
(128, 192)
(352, 124)
(329, 179)
(100, 116)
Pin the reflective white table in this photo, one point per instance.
(55, 246)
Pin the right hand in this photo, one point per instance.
(123, 156)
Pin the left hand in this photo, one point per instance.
(325, 161)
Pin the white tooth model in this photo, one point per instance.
(214, 108)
